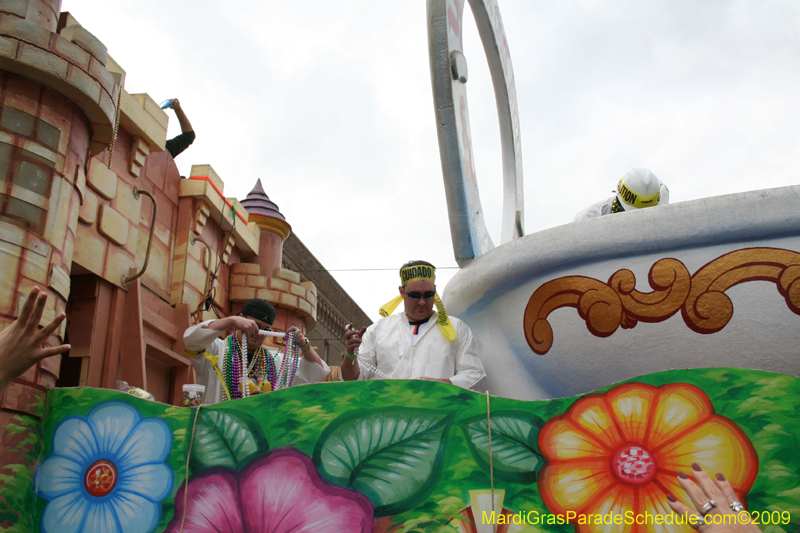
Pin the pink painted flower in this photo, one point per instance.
(280, 492)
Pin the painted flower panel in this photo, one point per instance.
(280, 492)
(106, 472)
(620, 452)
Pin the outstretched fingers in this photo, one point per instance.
(36, 317)
(710, 489)
(44, 353)
(48, 330)
(27, 308)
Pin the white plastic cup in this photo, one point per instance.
(193, 394)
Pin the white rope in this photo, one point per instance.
(491, 462)
(186, 481)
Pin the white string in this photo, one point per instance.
(267, 333)
(371, 368)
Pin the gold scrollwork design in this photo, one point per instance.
(708, 309)
(701, 298)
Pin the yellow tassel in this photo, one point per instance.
(444, 321)
(389, 307)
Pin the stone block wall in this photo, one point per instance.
(283, 290)
(210, 238)
(72, 62)
(44, 139)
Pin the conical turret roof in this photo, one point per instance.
(258, 203)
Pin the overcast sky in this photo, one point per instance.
(330, 104)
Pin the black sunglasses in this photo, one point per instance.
(417, 295)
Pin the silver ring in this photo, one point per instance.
(710, 504)
(737, 507)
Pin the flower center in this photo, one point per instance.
(100, 478)
(634, 464)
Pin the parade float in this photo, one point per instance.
(619, 351)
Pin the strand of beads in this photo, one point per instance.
(226, 365)
(233, 368)
(375, 370)
(245, 379)
(291, 359)
(271, 373)
(262, 367)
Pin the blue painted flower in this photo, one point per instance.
(106, 472)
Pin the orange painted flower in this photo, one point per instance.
(619, 453)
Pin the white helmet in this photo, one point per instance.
(637, 189)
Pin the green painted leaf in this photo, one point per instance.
(225, 438)
(514, 436)
(393, 457)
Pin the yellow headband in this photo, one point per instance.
(444, 321)
(424, 273)
(637, 200)
(421, 272)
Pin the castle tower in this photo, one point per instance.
(262, 276)
(58, 104)
(274, 228)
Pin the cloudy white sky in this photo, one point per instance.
(329, 103)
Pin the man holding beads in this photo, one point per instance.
(414, 344)
(218, 363)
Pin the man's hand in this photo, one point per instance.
(301, 340)
(247, 325)
(21, 341)
(352, 339)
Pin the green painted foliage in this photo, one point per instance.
(389, 456)
(394, 441)
(513, 444)
(225, 438)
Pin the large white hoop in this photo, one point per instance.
(448, 77)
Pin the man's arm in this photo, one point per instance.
(469, 369)
(198, 338)
(312, 368)
(309, 354)
(180, 143)
(183, 120)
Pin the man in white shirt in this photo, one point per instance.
(214, 359)
(414, 344)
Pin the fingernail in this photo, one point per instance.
(682, 475)
(696, 467)
(671, 498)
(720, 477)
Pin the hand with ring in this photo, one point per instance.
(717, 509)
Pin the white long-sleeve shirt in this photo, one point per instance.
(390, 346)
(207, 351)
